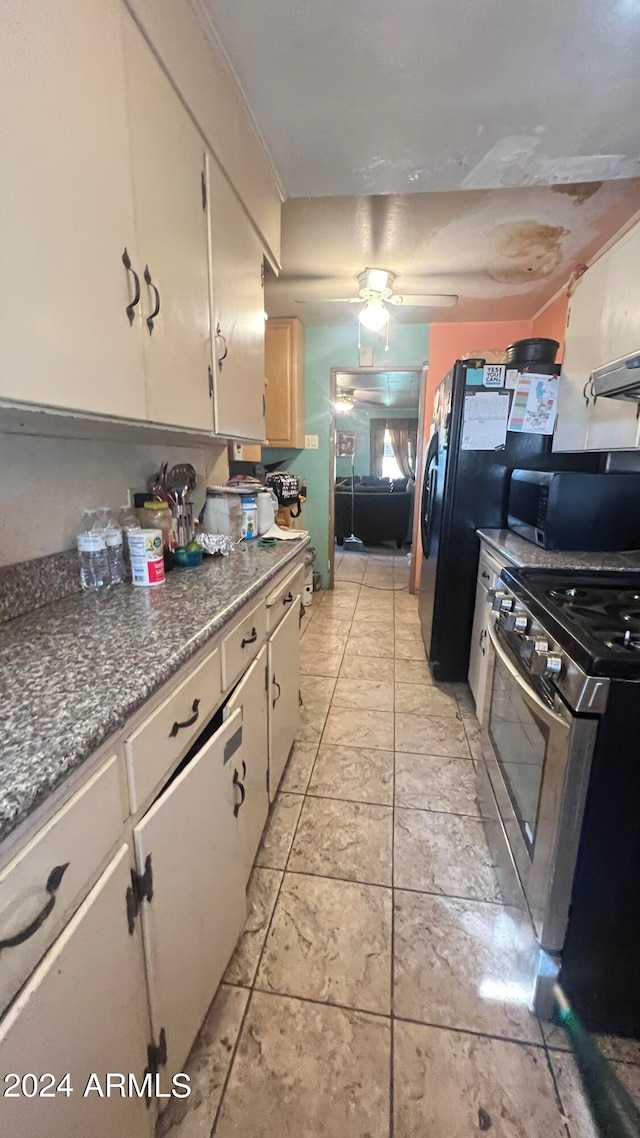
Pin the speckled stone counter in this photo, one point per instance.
(71, 673)
(525, 554)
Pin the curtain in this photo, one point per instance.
(404, 440)
(377, 428)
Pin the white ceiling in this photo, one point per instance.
(398, 96)
(505, 253)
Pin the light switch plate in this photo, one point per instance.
(310, 442)
(366, 356)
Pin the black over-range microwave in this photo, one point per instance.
(566, 509)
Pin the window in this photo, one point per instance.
(390, 468)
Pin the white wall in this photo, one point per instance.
(46, 483)
(604, 323)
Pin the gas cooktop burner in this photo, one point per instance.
(620, 641)
(594, 616)
(571, 594)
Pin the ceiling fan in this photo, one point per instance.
(347, 397)
(376, 290)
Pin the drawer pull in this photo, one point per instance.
(53, 881)
(131, 307)
(250, 639)
(276, 685)
(188, 722)
(156, 308)
(486, 576)
(243, 794)
(288, 599)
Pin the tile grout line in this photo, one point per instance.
(252, 987)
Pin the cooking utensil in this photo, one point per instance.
(182, 477)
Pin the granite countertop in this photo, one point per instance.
(74, 671)
(525, 554)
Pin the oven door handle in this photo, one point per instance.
(527, 691)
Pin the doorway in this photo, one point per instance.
(375, 414)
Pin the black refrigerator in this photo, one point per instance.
(463, 490)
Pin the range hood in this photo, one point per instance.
(619, 379)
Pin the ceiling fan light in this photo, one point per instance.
(374, 315)
(377, 279)
(343, 403)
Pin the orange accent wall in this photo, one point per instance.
(447, 342)
(552, 322)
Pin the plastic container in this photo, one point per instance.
(147, 561)
(267, 510)
(115, 556)
(536, 350)
(188, 558)
(157, 515)
(249, 517)
(222, 514)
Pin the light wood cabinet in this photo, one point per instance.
(168, 155)
(83, 1011)
(250, 697)
(284, 692)
(66, 205)
(197, 910)
(237, 313)
(284, 369)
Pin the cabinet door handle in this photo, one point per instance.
(53, 881)
(223, 357)
(249, 639)
(152, 315)
(210, 371)
(288, 599)
(240, 785)
(485, 576)
(131, 307)
(482, 639)
(195, 707)
(276, 685)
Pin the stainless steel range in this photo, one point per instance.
(560, 779)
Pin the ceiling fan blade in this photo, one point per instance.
(425, 300)
(333, 300)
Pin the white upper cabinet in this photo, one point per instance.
(66, 210)
(167, 154)
(237, 313)
(604, 324)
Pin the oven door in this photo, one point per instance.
(538, 758)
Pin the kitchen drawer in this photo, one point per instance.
(242, 645)
(152, 750)
(38, 888)
(489, 568)
(284, 596)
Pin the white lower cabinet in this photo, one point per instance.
(250, 697)
(284, 692)
(479, 653)
(84, 1010)
(188, 853)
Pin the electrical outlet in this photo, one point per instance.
(310, 442)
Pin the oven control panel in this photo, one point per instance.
(540, 655)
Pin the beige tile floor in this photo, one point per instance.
(379, 987)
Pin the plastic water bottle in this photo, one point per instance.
(113, 541)
(92, 554)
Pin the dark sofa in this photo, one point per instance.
(382, 510)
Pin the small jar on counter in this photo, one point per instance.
(157, 515)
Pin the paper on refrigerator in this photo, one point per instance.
(484, 426)
(535, 404)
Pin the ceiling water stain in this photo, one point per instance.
(579, 191)
(526, 251)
